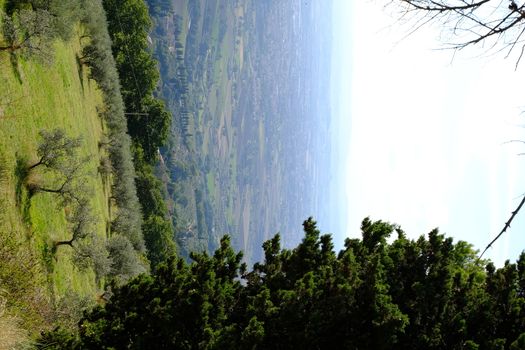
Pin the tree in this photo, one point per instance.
(128, 216)
(55, 149)
(201, 295)
(64, 13)
(148, 119)
(91, 253)
(29, 32)
(80, 222)
(89, 250)
(518, 344)
(150, 129)
(125, 262)
(156, 226)
(158, 236)
(58, 155)
(66, 183)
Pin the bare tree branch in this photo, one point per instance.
(512, 141)
(507, 225)
(468, 22)
(442, 6)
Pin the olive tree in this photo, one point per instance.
(125, 263)
(55, 148)
(67, 183)
(30, 32)
(58, 155)
(89, 249)
(91, 253)
(81, 223)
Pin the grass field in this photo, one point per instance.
(33, 97)
(210, 182)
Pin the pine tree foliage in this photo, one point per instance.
(429, 293)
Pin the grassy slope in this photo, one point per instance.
(35, 97)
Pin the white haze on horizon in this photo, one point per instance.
(424, 136)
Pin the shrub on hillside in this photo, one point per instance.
(125, 263)
(92, 253)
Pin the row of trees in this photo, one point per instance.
(63, 173)
(97, 55)
(429, 293)
(147, 119)
(174, 79)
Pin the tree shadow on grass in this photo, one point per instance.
(48, 256)
(22, 194)
(3, 169)
(14, 67)
(80, 71)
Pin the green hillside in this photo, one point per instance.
(39, 284)
(36, 96)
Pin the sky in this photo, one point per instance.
(424, 133)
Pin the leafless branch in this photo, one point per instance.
(468, 22)
(442, 6)
(513, 141)
(507, 225)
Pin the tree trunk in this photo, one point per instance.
(10, 48)
(84, 60)
(68, 242)
(35, 165)
(50, 190)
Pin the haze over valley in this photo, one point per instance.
(253, 80)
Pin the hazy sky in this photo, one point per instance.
(424, 142)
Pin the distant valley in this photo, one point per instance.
(248, 84)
